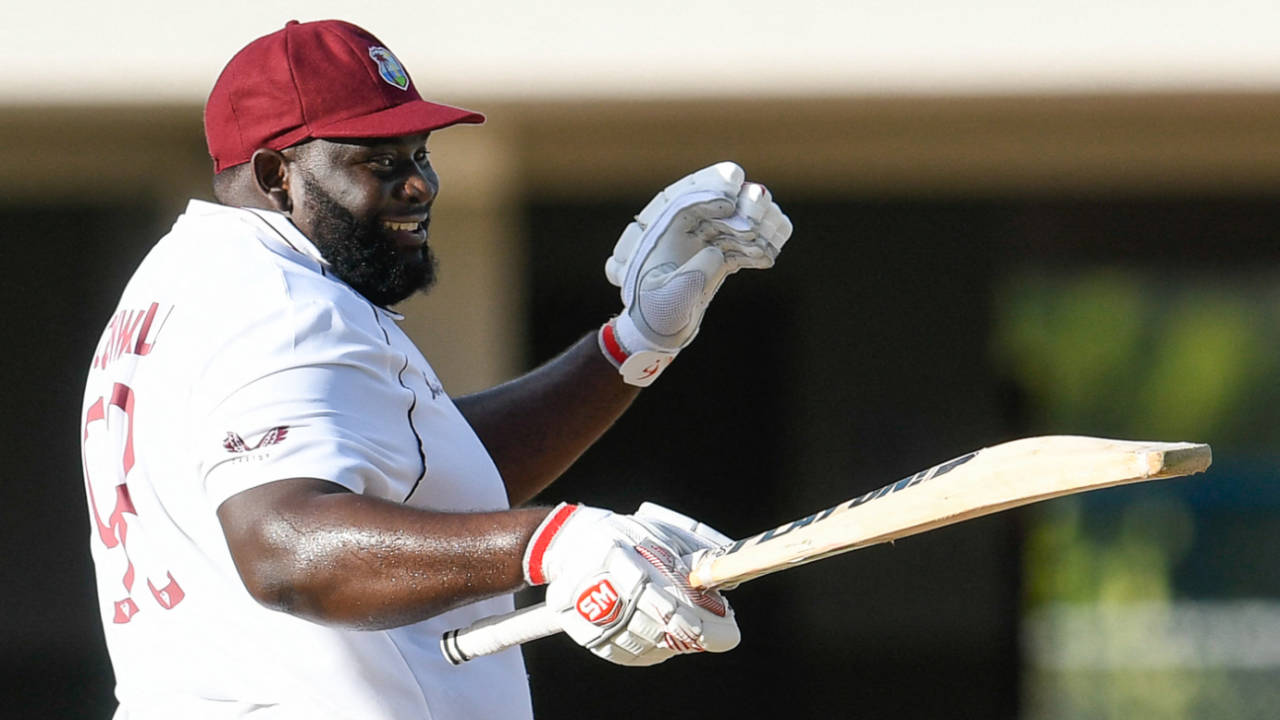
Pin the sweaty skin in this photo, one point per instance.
(312, 548)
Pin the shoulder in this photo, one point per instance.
(249, 280)
(241, 253)
(251, 260)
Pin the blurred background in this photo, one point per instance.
(1012, 218)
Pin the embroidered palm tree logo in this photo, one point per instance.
(389, 68)
(236, 444)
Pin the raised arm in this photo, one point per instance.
(668, 265)
(537, 425)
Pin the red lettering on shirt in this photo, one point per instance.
(126, 325)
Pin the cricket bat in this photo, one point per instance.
(979, 483)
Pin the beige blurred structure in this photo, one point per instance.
(101, 104)
(1212, 143)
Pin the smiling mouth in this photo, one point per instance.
(407, 235)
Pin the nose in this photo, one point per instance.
(421, 186)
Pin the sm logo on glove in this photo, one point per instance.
(599, 604)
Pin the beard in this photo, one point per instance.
(362, 255)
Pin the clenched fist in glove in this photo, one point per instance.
(670, 262)
(620, 587)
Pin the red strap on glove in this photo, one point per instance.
(534, 571)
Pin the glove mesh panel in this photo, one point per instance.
(667, 309)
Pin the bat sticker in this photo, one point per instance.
(902, 484)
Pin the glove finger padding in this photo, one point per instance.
(691, 538)
(670, 222)
(754, 235)
(682, 532)
(694, 620)
(686, 230)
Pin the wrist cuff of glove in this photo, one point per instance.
(623, 346)
(535, 553)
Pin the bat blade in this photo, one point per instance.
(1004, 476)
(1000, 477)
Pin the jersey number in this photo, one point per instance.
(113, 531)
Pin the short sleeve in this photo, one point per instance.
(305, 391)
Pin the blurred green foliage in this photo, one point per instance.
(1123, 353)
(1125, 558)
(1113, 352)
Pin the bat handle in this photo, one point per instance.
(493, 634)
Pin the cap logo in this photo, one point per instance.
(389, 68)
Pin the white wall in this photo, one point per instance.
(155, 50)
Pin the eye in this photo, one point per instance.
(422, 156)
(383, 161)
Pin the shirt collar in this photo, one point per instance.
(286, 235)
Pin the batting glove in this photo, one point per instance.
(691, 538)
(620, 587)
(671, 261)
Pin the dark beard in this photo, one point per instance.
(363, 256)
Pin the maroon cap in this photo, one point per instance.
(325, 79)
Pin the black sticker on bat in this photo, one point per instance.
(893, 487)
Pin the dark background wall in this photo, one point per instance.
(869, 343)
(809, 385)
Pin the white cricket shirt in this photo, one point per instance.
(235, 358)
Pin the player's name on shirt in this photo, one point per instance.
(130, 332)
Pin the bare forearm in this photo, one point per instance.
(536, 426)
(346, 559)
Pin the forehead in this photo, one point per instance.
(340, 147)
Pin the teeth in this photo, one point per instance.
(406, 226)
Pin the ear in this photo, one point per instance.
(271, 172)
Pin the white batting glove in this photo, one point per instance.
(689, 537)
(620, 588)
(670, 262)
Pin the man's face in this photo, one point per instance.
(366, 206)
